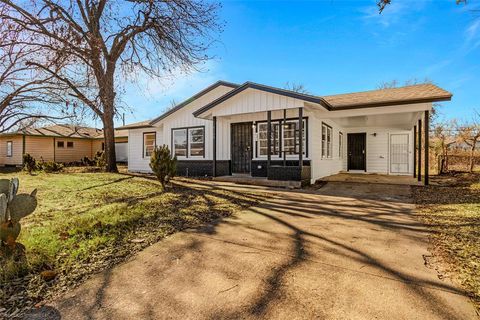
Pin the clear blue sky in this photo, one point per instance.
(334, 47)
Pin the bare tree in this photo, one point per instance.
(296, 87)
(84, 44)
(469, 133)
(444, 137)
(23, 92)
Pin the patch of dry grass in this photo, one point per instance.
(451, 208)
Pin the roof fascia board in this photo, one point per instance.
(391, 103)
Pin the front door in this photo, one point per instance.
(399, 153)
(357, 152)
(241, 146)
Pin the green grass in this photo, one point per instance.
(451, 209)
(86, 221)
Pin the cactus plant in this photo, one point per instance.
(13, 207)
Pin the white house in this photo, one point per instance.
(224, 130)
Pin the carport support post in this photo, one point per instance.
(415, 151)
(427, 138)
(269, 140)
(214, 165)
(419, 174)
(300, 138)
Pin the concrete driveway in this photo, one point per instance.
(346, 251)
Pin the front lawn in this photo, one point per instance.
(451, 209)
(86, 222)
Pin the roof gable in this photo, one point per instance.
(261, 87)
(193, 98)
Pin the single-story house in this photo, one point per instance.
(262, 131)
(60, 143)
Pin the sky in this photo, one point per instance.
(333, 47)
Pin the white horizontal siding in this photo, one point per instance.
(322, 167)
(378, 148)
(136, 161)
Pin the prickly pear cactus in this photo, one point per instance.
(13, 207)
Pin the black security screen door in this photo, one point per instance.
(357, 151)
(241, 147)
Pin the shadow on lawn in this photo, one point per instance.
(283, 210)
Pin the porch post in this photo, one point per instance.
(214, 167)
(427, 138)
(419, 172)
(415, 151)
(283, 136)
(269, 140)
(300, 138)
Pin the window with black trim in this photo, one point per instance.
(60, 144)
(262, 144)
(69, 144)
(9, 148)
(188, 142)
(196, 142)
(149, 142)
(285, 138)
(326, 141)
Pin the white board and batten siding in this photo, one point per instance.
(253, 100)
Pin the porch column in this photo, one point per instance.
(415, 151)
(283, 136)
(427, 138)
(214, 166)
(300, 138)
(269, 139)
(419, 172)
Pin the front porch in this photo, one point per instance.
(259, 181)
(372, 178)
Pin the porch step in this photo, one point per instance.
(259, 181)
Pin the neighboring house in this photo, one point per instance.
(223, 130)
(59, 143)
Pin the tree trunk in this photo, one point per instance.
(472, 156)
(109, 136)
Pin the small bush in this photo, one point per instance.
(29, 163)
(163, 165)
(50, 166)
(86, 161)
(100, 159)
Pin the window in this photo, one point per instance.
(262, 139)
(285, 138)
(180, 146)
(149, 141)
(188, 142)
(326, 141)
(69, 144)
(291, 137)
(340, 145)
(196, 142)
(9, 148)
(60, 144)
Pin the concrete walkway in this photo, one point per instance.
(343, 252)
